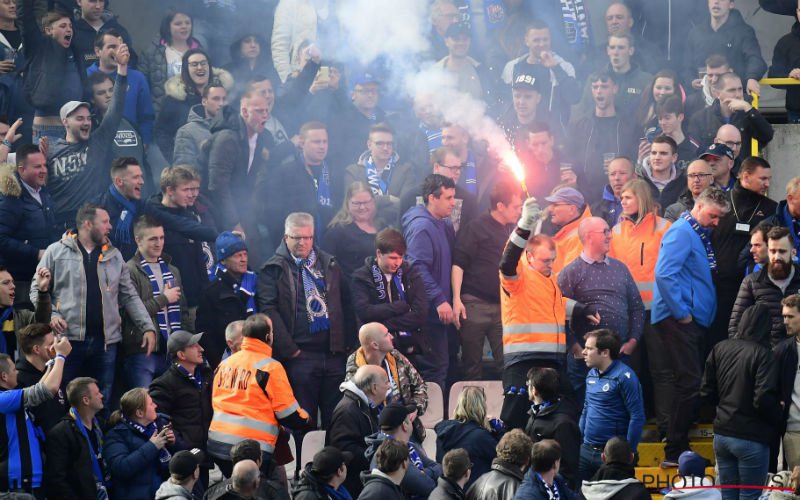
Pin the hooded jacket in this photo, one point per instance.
(703, 126)
(84, 35)
(378, 486)
(416, 482)
(154, 67)
(138, 102)
(614, 481)
(758, 288)
(311, 487)
(785, 58)
(693, 494)
(171, 491)
(666, 23)
(400, 181)
(736, 40)
(630, 84)
(671, 192)
(741, 378)
(478, 441)
(190, 137)
(500, 483)
(354, 418)
(75, 168)
(68, 290)
(430, 245)
(532, 488)
(26, 226)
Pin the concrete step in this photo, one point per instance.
(698, 432)
(652, 454)
(656, 478)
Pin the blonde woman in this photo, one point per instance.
(470, 430)
(635, 240)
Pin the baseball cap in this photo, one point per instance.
(394, 415)
(718, 151)
(567, 195)
(457, 29)
(329, 459)
(183, 463)
(529, 76)
(70, 108)
(364, 79)
(180, 340)
(690, 463)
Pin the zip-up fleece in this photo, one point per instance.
(68, 290)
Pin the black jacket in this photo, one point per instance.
(615, 481)
(671, 192)
(353, 419)
(397, 316)
(785, 58)
(26, 226)
(685, 202)
(703, 126)
(380, 488)
(310, 487)
(479, 443)
(49, 413)
(727, 242)
(556, 422)
(447, 490)
(219, 306)
(757, 288)
(785, 354)
(500, 483)
(189, 234)
(277, 296)
(741, 378)
(68, 469)
(85, 34)
(348, 138)
(188, 407)
(736, 40)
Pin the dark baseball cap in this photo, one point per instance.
(183, 463)
(718, 150)
(180, 340)
(567, 195)
(329, 459)
(395, 414)
(530, 76)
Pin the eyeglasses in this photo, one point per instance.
(452, 168)
(697, 177)
(361, 204)
(300, 238)
(384, 144)
(198, 64)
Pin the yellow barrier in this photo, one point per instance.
(768, 81)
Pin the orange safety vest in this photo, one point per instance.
(533, 312)
(250, 393)
(637, 246)
(568, 245)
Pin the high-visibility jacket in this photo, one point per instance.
(637, 246)
(534, 313)
(568, 245)
(250, 393)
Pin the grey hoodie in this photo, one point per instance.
(171, 491)
(348, 385)
(694, 494)
(68, 290)
(605, 489)
(191, 136)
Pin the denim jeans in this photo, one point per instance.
(590, 460)
(141, 369)
(741, 462)
(92, 358)
(793, 117)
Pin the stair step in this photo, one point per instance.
(652, 454)
(698, 432)
(656, 478)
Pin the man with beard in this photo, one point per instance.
(90, 284)
(779, 279)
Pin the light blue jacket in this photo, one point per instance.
(683, 278)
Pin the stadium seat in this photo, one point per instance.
(435, 412)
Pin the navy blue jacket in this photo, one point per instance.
(479, 443)
(532, 488)
(613, 406)
(114, 209)
(136, 470)
(25, 227)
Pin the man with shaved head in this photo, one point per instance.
(356, 416)
(405, 383)
(699, 176)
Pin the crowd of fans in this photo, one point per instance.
(229, 247)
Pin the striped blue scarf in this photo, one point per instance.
(247, 286)
(315, 292)
(169, 318)
(705, 237)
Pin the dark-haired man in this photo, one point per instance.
(326, 472)
(613, 400)
(616, 478)
(123, 202)
(91, 20)
(127, 141)
(36, 343)
(198, 126)
(27, 216)
(662, 172)
(430, 238)
(543, 481)
(786, 355)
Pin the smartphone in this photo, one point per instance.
(324, 74)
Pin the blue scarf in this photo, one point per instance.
(247, 286)
(383, 293)
(380, 182)
(792, 224)
(147, 432)
(6, 316)
(705, 237)
(339, 493)
(471, 173)
(195, 377)
(314, 289)
(576, 23)
(124, 230)
(322, 182)
(434, 137)
(169, 318)
(95, 454)
(615, 206)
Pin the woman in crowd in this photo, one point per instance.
(135, 449)
(250, 59)
(54, 73)
(351, 233)
(635, 240)
(470, 430)
(164, 58)
(184, 91)
(664, 84)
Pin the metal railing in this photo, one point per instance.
(754, 149)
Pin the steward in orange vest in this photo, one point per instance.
(251, 395)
